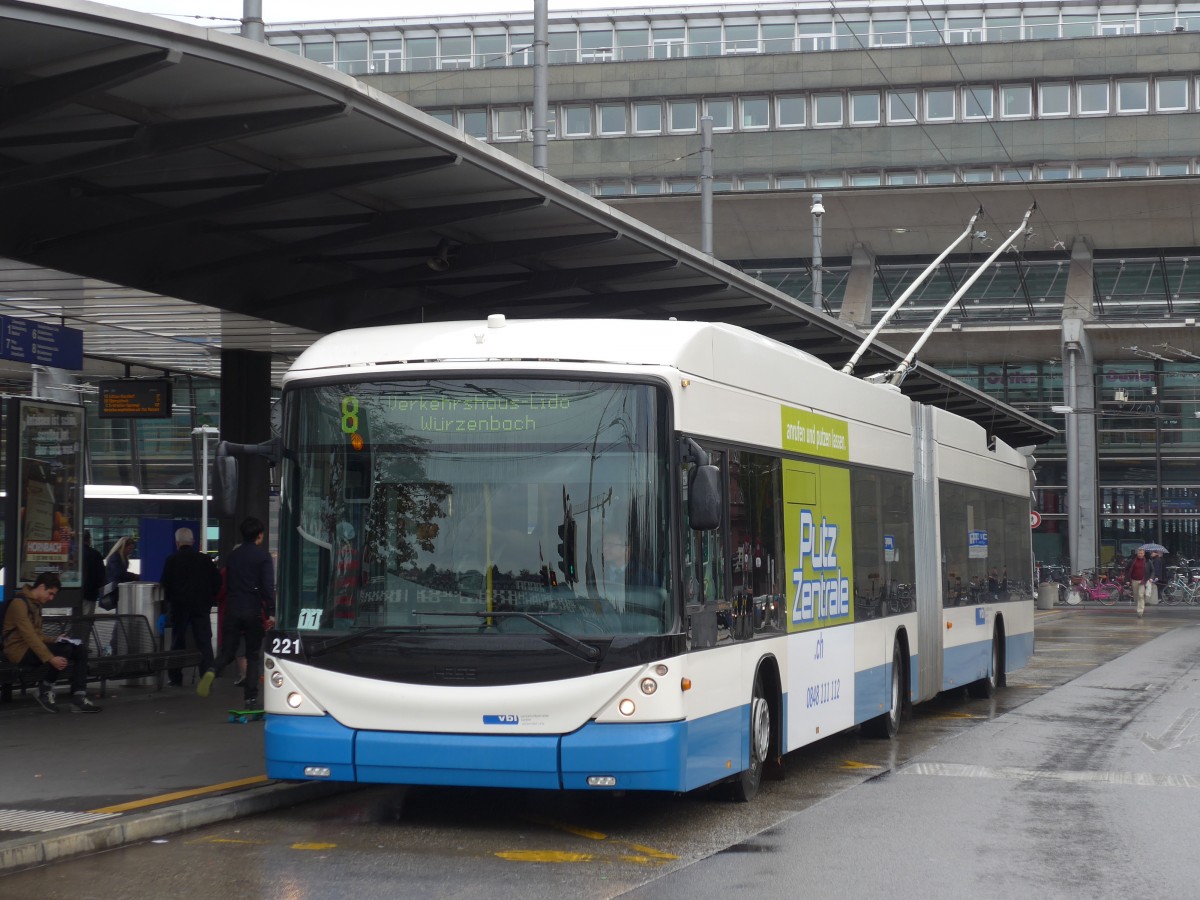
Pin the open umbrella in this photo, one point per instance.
(1154, 548)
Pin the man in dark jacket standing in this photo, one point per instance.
(190, 583)
(249, 609)
(93, 575)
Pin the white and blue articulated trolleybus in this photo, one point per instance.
(621, 555)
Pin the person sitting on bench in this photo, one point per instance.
(45, 655)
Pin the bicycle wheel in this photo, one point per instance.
(1074, 596)
(1107, 594)
(1169, 595)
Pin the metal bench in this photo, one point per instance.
(119, 646)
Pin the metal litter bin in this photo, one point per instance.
(1047, 595)
(144, 598)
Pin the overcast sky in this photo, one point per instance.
(202, 12)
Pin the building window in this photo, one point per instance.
(978, 176)
(790, 112)
(1170, 94)
(756, 113)
(491, 51)
(865, 179)
(892, 33)
(977, 103)
(1092, 97)
(596, 46)
(827, 109)
(939, 105)
(442, 115)
(633, 44)
(577, 121)
(791, 182)
(1173, 168)
(741, 39)
(455, 53)
(902, 106)
(1054, 173)
(614, 189)
(902, 178)
(704, 41)
(1133, 170)
(319, 51)
(815, 35)
(1020, 173)
(1016, 101)
(613, 118)
(685, 116)
(422, 55)
(939, 177)
(756, 184)
(682, 187)
(926, 29)
(647, 118)
(647, 187)
(1094, 171)
(828, 181)
(1133, 96)
(521, 44)
(864, 109)
(964, 30)
(1003, 28)
(509, 124)
(473, 122)
(386, 56)
(779, 38)
(668, 43)
(722, 184)
(563, 47)
(721, 112)
(1054, 100)
(352, 57)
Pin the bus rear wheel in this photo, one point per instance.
(887, 725)
(986, 687)
(747, 783)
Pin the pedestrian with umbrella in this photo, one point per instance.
(1157, 574)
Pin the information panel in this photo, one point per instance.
(26, 340)
(131, 398)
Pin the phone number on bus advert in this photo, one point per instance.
(825, 692)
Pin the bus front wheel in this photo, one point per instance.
(746, 784)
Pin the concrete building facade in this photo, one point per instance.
(907, 117)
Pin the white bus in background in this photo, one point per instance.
(621, 555)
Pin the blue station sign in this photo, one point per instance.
(41, 343)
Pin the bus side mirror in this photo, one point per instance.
(224, 484)
(704, 498)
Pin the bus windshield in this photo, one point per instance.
(424, 505)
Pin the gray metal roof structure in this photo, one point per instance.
(193, 164)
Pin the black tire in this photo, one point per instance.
(986, 687)
(887, 725)
(747, 783)
(1112, 595)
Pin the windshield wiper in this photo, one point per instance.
(587, 651)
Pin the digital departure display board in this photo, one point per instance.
(136, 398)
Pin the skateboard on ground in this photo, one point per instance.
(242, 716)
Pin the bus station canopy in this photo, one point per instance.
(174, 191)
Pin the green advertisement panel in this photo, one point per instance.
(813, 434)
(819, 545)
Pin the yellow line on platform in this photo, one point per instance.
(181, 795)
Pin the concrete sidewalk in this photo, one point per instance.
(154, 762)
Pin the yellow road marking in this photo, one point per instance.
(312, 846)
(851, 764)
(650, 851)
(181, 795)
(544, 856)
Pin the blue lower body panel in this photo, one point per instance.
(654, 756)
(970, 662)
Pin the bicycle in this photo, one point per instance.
(1181, 588)
(1088, 586)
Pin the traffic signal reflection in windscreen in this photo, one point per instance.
(566, 549)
